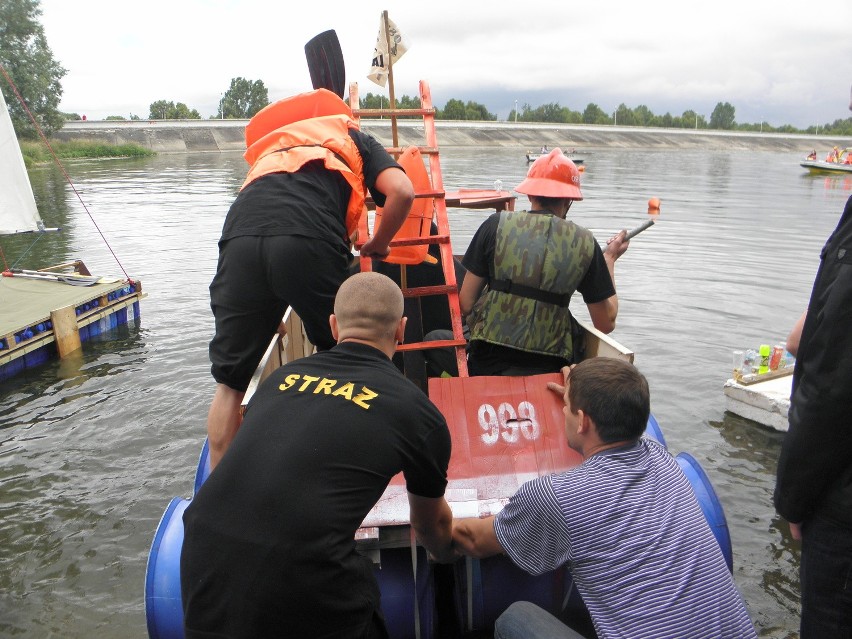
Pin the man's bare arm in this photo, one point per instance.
(476, 537)
(432, 521)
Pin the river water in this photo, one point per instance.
(92, 449)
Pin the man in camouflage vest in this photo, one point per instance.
(522, 269)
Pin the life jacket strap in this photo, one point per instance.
(548, 297)
(284, 149)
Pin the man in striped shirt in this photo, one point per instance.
(625, 522)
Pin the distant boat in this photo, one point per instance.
(818, 166)
(833, 163)
(53, 310)
(532, 157)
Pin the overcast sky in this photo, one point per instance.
(780, 62)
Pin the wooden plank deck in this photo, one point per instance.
(27, 309)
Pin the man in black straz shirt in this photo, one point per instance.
(269, 546)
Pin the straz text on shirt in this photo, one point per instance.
(323, 385)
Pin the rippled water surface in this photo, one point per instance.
(92, 449)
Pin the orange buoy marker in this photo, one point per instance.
(653, 211)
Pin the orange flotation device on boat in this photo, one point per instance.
(419, 219)
(287, 134)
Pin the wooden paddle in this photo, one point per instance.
(325, 62)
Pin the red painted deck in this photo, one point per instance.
(505, 431)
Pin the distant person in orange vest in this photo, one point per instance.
(286, 238)
(832, 155)
(812, 155)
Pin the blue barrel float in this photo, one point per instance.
(408, 597)
(709, 502)
(408, 602)
(163, 607)
(653, 430)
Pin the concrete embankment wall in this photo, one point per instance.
(182, 136)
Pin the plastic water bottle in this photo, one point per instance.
(787, 358)
(750, 362)
(738, 362)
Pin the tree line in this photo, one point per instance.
(244, 98)
(28, 60)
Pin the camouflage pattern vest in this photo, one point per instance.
(539, 260)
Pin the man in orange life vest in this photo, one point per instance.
(286, 238)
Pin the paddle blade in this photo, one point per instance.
(325, 62)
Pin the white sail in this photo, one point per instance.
(18, 212)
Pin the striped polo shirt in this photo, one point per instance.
(627, 524)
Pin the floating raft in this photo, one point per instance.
(765, 402)
(41, 319)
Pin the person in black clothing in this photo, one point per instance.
(814, 477)
(286, 242)
(813, 491)
(269, 546)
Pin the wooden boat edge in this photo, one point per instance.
(284, 347)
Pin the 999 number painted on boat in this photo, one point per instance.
(508, 424)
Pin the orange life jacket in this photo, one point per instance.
(284, 136)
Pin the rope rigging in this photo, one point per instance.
(61, 168)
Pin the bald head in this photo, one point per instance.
(368, 307)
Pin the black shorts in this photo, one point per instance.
(257, 278)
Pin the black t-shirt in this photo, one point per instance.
(311, 202)
(269, 538)
(486, 358)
